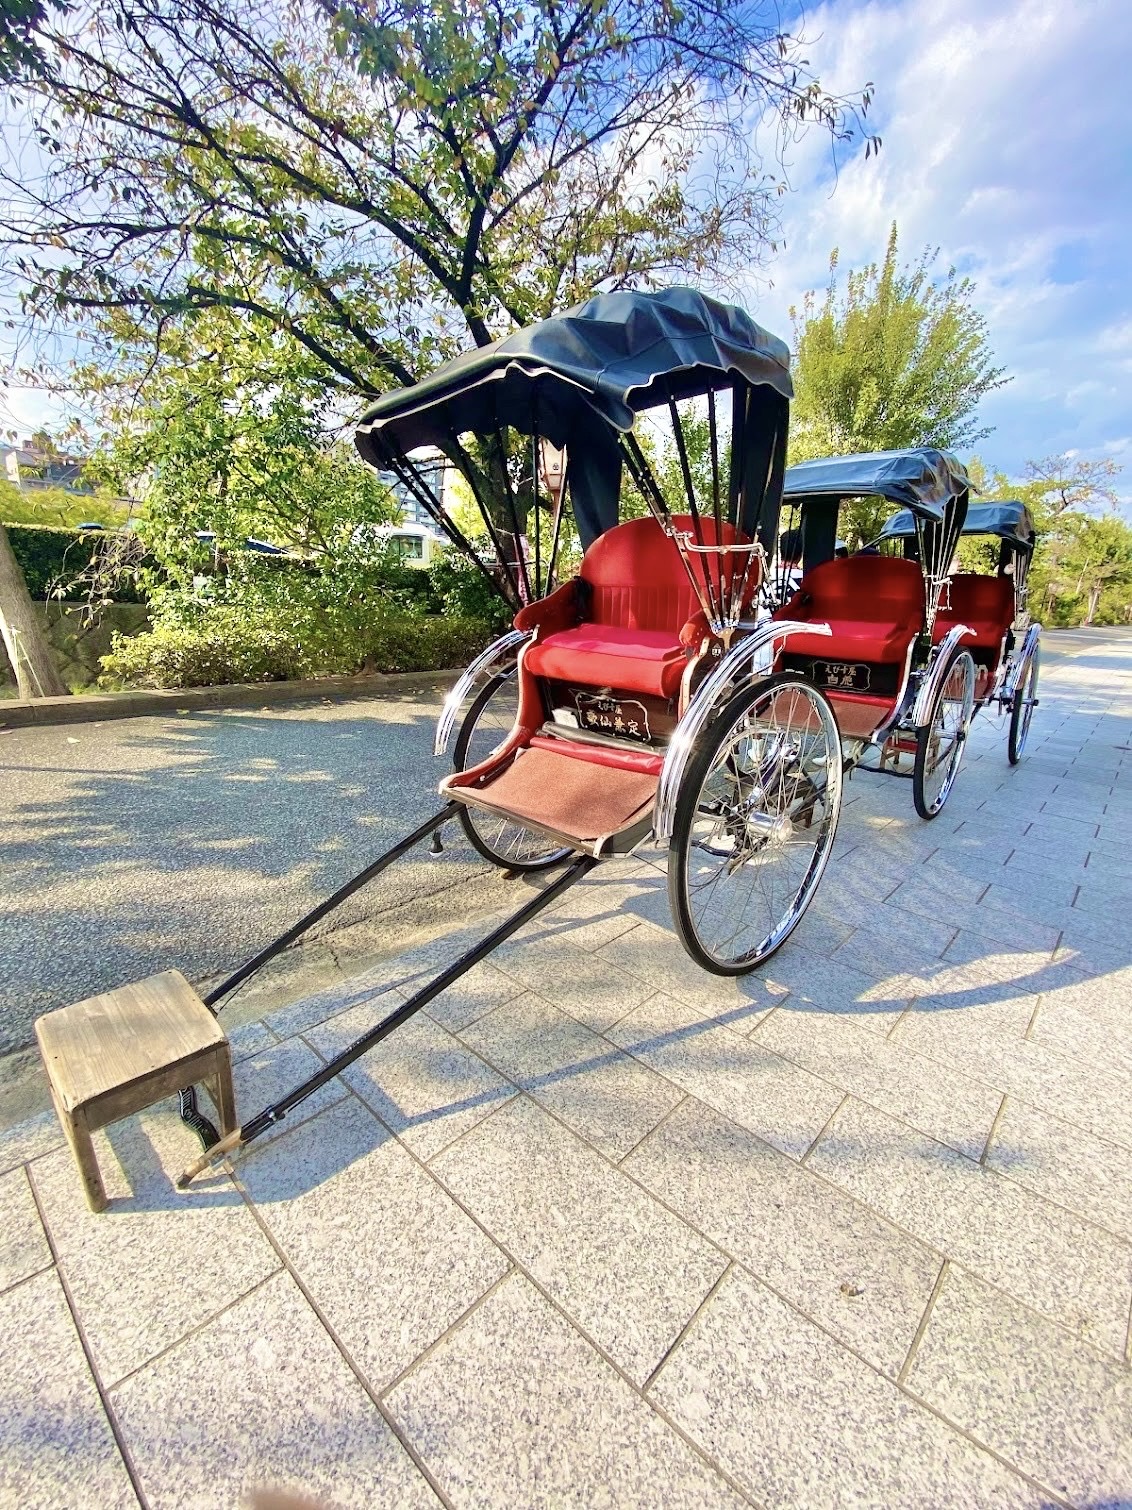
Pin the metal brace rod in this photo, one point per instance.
(276, 1112)
(346, 890)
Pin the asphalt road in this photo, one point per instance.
(130, 846)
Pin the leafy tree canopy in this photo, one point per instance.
(892, 357)
(385, 183)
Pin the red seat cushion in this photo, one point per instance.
(874, 606)
(636, 597)
(984, 604)
(604, 655)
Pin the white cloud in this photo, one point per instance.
(1007, 145)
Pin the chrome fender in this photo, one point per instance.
(925, 697)
(1019, 662)
(504, 649)
(749, 658)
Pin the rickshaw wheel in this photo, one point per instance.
(939, 744)
(486, 725)
(1022, 709)
(754, 824)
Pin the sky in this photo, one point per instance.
(1007, 144)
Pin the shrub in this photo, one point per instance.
(64, 563)
(224, 645)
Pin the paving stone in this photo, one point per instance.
(1077, 998)
(56, 1445)
(482, 990)
(423, 1083)
(23, 1245)
(753, 1086)
(1072, 1167)
(249, 1038)
(587, 986)
(1020, 904)
(629, 1273)
(874, 1001)
(158, 1262)
(1072, 1272)
(515, 1408)
(851, 1271)
(306, 1427)
(1055, 1407)
(937, 1100)
(606, 1096)
(261, 1079)
(388, 1257)
(298, 1016)
(904, 943)
(985, 1041)
(656, 958)
(799, 1421)
(931, 901)
(29, 1139)
(611, 902)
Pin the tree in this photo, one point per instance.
(898, 357)
(385, 182)
(22, 631)
(1068, 483)
(232, 439)
(1082, 568)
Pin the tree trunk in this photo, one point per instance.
(1094, 600)
(23, 633)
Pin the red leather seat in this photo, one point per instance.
(984, 604)
(874, 606)
(633, 597)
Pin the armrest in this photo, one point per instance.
(695, 631)
(558, 611)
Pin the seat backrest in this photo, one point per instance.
(865, 589)
(980, 601)
(637, 577)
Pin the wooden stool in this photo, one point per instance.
(113, 1055)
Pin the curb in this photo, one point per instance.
(93, 707)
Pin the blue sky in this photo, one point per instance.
(1007, 128)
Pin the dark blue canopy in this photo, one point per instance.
(609, 358)
(1010, 521)
(923, 480)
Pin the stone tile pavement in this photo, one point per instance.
(603, 1230)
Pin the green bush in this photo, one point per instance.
(224, 645)
(58, 562)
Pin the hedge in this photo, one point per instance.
(52, 559)
(224, 648)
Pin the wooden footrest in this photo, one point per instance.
(115, 1054)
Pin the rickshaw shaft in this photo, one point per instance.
(346, 890)
(276, 1112)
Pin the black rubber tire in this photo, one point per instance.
(555, 855)
(687, 804)
(923, 740)
(1023, 708)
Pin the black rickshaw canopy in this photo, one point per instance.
(1010, 521)
(923, 480)
(578, 381)
(610, 357)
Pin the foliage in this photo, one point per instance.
(380, 184)
(1082, 569)
(225, 645)
(62, 563)
(896, 358)
(58, 507)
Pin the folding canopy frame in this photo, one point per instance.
(1009, 521)
(578, 381)
(933, 487)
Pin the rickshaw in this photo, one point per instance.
(1003, 642)
(895, 666)
(644, 697)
